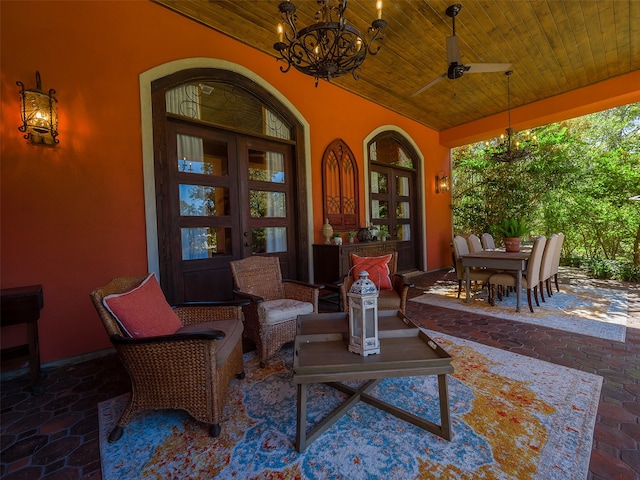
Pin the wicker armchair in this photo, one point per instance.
(391, 299)
(270, 317)
(189, 370)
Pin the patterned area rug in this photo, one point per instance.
(513, 417)
(593, 311)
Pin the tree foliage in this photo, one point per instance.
(579, 181)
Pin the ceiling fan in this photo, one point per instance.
(456, 67)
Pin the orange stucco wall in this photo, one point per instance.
(73, 216)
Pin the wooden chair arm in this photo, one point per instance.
(176, 337)
(247, 296)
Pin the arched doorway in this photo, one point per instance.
(228, 163)
(394, 192)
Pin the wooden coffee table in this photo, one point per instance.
(321, 355)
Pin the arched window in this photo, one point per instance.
(340, 186)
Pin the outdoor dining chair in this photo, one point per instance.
(546, 266)
(475, 245)
(530, 280)
(461, 247)
(487, 241)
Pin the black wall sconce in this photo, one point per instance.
(442, 182)
(39, 114)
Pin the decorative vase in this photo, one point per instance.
(364, 235)
(512, 244)
(351, 239)
(337, 240)
(327, 231)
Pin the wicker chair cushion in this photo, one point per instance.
(272, 312)
(388, 300)
(232, 334)
(143, 311)
(378, 268)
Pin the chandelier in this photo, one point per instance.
(328, 48)
(511, 146)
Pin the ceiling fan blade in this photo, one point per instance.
(430, 84)
(453, 50)
(486, 67)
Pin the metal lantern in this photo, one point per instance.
(363, 316)
(39, 114)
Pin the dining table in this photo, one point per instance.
(497, 260)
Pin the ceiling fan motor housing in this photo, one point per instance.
(456, 71)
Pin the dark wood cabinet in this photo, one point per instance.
(22, 305)
(331, 262)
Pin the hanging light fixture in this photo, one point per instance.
(511, 146)
(328, 48)
(39, 114)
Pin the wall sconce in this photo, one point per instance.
(442, 182)
(39, 114)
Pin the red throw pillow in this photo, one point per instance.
(143, 311)
(378, 268)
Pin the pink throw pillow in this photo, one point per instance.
(378, 268)
(143, 311)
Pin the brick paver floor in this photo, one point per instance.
(55, 436)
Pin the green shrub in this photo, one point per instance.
(628, 272)
(600, 268)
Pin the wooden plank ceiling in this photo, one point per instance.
(554, 46)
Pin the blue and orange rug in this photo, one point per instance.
(597, 312)
(513, 417)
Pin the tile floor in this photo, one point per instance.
(55, 436)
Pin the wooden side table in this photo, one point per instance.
(22, 305)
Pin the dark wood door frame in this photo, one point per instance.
(301, 212)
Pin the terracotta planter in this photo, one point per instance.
(512, 244)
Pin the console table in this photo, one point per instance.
(22, 305)
(331, 263)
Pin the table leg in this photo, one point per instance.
(467, 282)
(301, 420)
(445, 419)
(518, 289)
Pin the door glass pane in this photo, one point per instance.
(402, 210)
(266, 166)
(205, 242)
(378, 182)
(203, 201)
(402, 186)
(404, 232)
(379, 209)
(267, 204)
(207, 157)
(268, 240)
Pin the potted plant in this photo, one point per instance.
(384, 232)
(337, 239)
(351, 236)
(512, 230)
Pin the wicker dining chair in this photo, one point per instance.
(270, 317)
(188, 370)
(394, 298)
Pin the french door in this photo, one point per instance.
(222, 196)
(393, 207)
